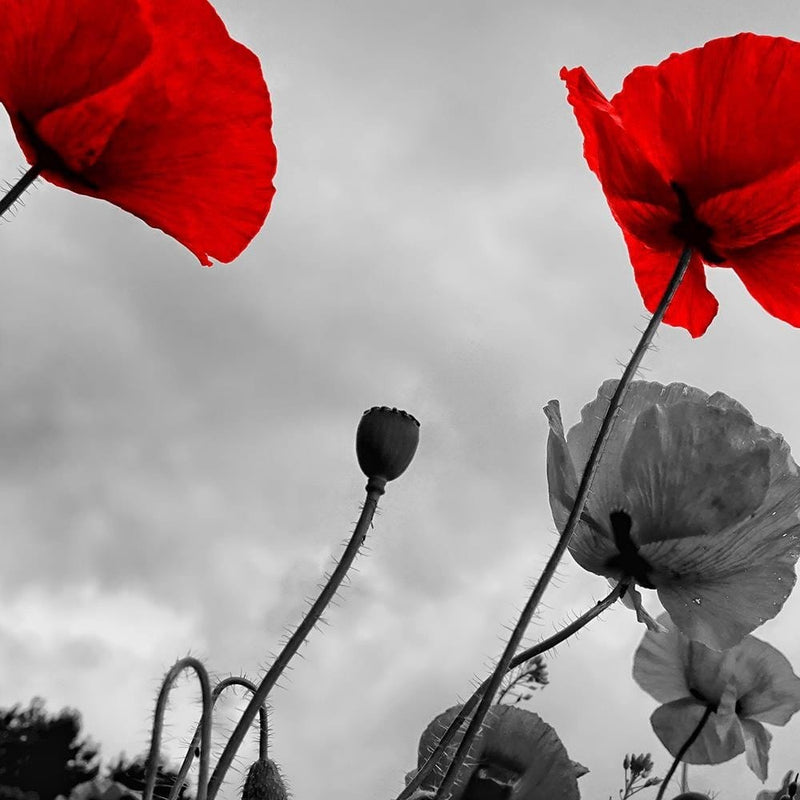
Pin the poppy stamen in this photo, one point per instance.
(628, 560)
(691, 231)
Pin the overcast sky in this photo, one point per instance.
(177, 442)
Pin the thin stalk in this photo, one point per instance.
(452, 775)
(526, 655)
(189, 662)
(684, 777)
(684, 749)
(16, 191)
(298, 637)
(262, 739)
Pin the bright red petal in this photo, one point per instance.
(183, 141)
(717, 117)
(771, 273)
(638, 195)
(54, 53)
(693, 306)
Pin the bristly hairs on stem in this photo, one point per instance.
(305, 627)
(452, 775)
(191, 752)
(522, 657)
(17, 189)
(188, 662)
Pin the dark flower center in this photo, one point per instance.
(692, 231)
(628, 560)
(49, 159)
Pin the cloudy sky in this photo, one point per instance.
(178, 463)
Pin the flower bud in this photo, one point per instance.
(692, 796)
(264, 782)
(386, 441)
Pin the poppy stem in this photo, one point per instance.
(452, 775)
(16, 191)
(526, 655)
(190, 753)
(684, 749)
(297, 638)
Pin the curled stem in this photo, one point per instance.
(262, 739)
(297, 638)
(684, 749)
(451, 777)
(17, 190)
(189, 662)
(525, 655)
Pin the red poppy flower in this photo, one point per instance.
(148, 104)
(704, 150)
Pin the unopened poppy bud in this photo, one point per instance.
(626, 762)
(386, 441)
(264, 782)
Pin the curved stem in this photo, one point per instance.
(16, 191)
(298, 637)
(684, 749)
(451, 777)
(526, 655)
(158, 726)
(262, 739)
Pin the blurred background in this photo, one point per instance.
(177, 442)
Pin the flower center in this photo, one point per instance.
(628, 560)
(692, 231)
(49, 159)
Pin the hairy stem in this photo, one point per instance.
(297, 638)
(158, 726)
(16, 191)
(262, 739)
(452, 775)
(527, 654)
(684, 749)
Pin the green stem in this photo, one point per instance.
(520, 658)
(451, 777)
(189, 662)
(262, 739)
(298, 637)
(16, 191)
(684, 749)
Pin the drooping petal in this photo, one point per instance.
(693, 307)
(756, 742)
(165, 115)
(54, 53)
(562, 481)
(719, 740)
(719, 612)
(770, 271)
(769, 691)
(705, 118)
(691, 469)
(659, 664)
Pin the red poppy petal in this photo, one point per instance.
(693, 306)
(53, 53)
(771, 273)
(674, 722)
(719, 116)
(192, 152)
(624, 172)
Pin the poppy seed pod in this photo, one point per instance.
(386, 441)
(264, 782)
